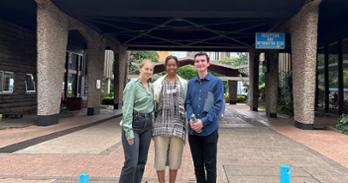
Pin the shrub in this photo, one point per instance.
(342, 124)
(108, 101)
(241, 98)
(227, 97)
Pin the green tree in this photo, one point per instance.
(187, 72)
(239, 60)
(262, 76)
(136, 57)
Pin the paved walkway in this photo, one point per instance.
(329, 142)
(251, 149)
(79, 120)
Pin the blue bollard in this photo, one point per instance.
(83, 178)
(285, 174)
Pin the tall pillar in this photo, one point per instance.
(117, 80)
(95, 68)
(253, 79)
(303, 28)
(52, 40)
(271, 89)
(232, 91)
(121, 73)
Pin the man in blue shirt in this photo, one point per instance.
(205, 99)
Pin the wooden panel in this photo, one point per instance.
(17, 55)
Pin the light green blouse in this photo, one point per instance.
(135, 98)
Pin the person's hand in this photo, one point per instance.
(130, 141)
(197, 125)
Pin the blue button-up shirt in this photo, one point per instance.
(197, 94)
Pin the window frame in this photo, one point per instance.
(7, 92)
(26, 84)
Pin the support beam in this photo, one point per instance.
(117, 80)
(232, 85)
(95, 68)
(303, 29)
(122, 74)
(253, 79)
(271, 89)
(52, 40)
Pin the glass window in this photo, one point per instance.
(30, 83)
(321, 79)
(333, 77)
(71, 85)
(6, 82)
(73, 59)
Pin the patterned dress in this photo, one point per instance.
(170, 120)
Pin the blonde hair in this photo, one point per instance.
(141, 65)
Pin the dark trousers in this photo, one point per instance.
(204, 155)
(136, 154)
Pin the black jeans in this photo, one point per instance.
(136, 154)
(204, 155)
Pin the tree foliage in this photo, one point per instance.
(187, 72)
(241, 59)
(136, 57)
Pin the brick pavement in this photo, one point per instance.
(249, 151)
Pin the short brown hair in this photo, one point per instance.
(202, 54)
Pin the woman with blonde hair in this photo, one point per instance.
(169, 128)
(138, 108)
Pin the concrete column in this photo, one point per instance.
(253, 79)
(52, 40)
(232, 91)
(121, 72)
(117, 80)
(95, 68)
(303, 28)
(271, 89)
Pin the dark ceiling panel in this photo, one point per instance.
(181, 8)
(333, 21)
(21, 13)
(176, 24)
(181, 23)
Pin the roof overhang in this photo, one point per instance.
(225, 25)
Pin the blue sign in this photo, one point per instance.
(267, 40)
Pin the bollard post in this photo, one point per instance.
(285, 174)
(83, 178)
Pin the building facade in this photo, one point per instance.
(45, 43)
